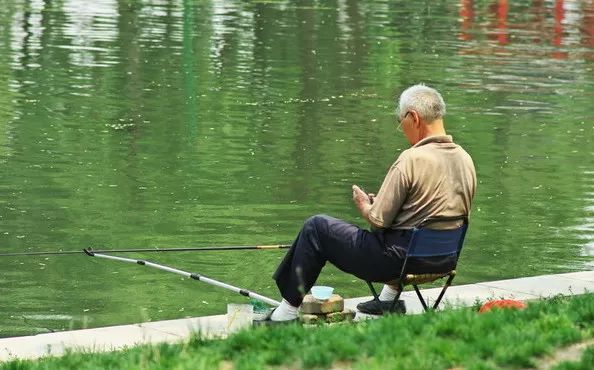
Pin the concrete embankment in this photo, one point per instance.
(118, 337)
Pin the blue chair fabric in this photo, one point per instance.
(429, 242)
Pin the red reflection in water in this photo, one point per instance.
(467, 16)
(501, 9)
(558, 30)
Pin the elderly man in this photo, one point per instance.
(434, 178)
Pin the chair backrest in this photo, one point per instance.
(427, 242)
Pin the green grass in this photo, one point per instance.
(437, 340)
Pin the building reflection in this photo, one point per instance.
(565, 28)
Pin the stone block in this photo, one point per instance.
(312, 319)
(311, 305)
(346, 315)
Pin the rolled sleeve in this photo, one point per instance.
(389, 199)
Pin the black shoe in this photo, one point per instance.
(267, 321)
(376, 307)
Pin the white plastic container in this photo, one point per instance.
(322, 292)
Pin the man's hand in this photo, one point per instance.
(363, 201)
(360, 197)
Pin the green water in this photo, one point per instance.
(171, 123)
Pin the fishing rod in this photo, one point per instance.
(195, 276)
(139, 250)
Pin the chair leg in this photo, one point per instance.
(375, 295)
(420, 297)
(447, 284)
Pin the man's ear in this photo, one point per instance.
(416, 119)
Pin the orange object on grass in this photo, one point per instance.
(502, 303)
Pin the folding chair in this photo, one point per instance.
(427, 242)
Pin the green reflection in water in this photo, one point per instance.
(179, 123)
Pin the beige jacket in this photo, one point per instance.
(433, 178)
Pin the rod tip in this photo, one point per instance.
(88, 252)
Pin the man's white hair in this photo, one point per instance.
(426, 101)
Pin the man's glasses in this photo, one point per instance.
(399, 127)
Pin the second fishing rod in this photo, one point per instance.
(150, 250)
(192, 275)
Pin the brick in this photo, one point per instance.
(311, 305)
(312, 319)
(346, 315)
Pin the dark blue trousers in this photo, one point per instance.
(369, 255)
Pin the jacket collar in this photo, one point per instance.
(434, 139)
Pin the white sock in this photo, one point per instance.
(284, 312)
(388, 293)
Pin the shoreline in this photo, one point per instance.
(113, 338)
